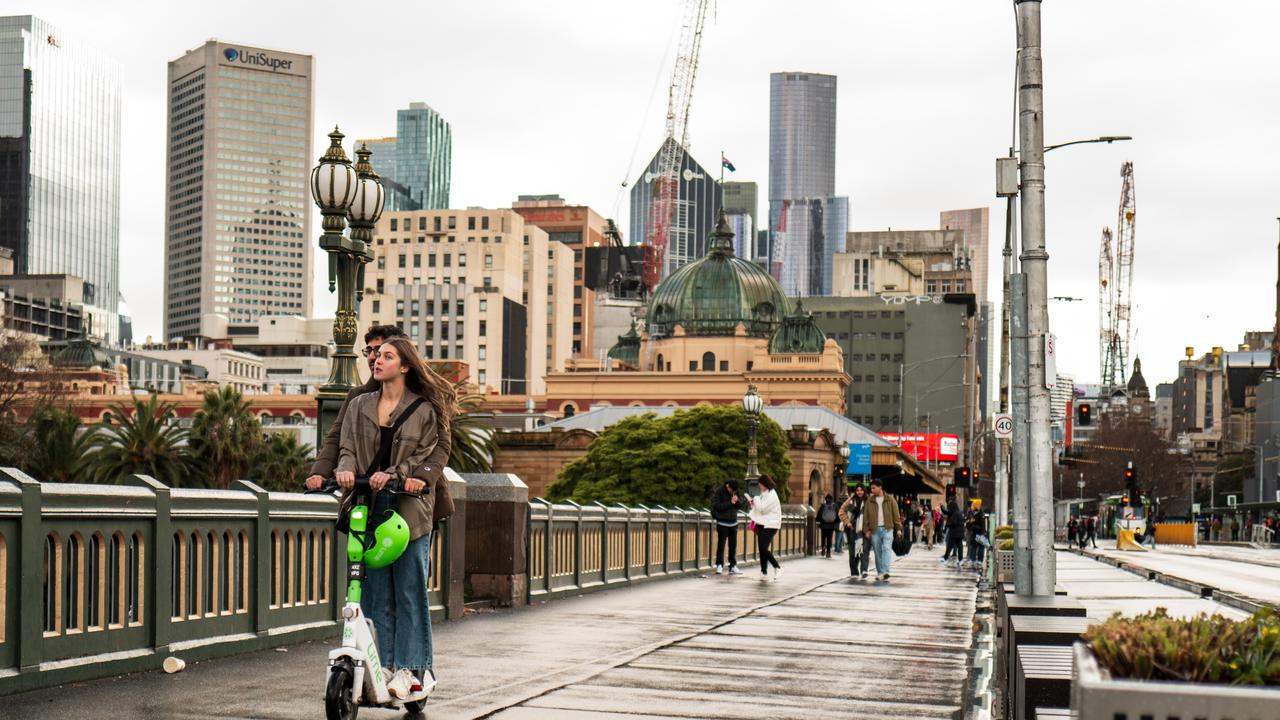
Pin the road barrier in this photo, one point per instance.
(1176, 534)
(575, 548)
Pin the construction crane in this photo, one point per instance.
(666, 181)
(1115, 286)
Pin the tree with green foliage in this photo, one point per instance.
(281, 463)
(672, 461)
(140, 438)
(224, 438)
(61, 446)
(1232, 471)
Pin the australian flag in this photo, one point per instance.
(724, 162)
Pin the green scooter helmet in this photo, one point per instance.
(389, 541)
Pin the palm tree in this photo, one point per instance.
(60, 449)
(143, 440)
(281, 463)
(473, 443)
(224, 437)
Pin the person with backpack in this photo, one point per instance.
(828, 518)
(725, 506)
(881, 523)
(1073, 530)
(978, 533)
(851, 520)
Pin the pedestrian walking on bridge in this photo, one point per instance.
(851, 519)
(725, 506)
(828, 519)
(1090, 531)
(881, 523)
(766, 513)
(1073, 528)
(928, 527)
(955, 533)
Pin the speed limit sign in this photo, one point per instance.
(1004, 426)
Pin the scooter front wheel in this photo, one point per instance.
(338, 704)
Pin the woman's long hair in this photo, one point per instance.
(424, 381)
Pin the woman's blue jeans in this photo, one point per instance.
(395, 598)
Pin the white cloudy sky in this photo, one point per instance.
(552, 97)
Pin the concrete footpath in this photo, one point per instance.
(812, 645)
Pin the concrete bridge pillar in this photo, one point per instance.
(497, 533)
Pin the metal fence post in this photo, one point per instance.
(604, 542)
(627, 549)
(262, 556)
(160, 568)
(31, 547)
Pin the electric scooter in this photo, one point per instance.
(356, 676)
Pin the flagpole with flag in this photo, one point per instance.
(724, 163)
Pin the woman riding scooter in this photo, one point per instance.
(395, 597)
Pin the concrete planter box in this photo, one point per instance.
(1004, 566)
(1095, 695)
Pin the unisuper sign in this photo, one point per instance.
(261, 59)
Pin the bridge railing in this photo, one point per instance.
(574, 548)
(103, 579)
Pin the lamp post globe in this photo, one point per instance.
(842, 467)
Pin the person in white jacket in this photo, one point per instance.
(766, 512)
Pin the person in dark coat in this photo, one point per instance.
(955, 532)
(725, 506)
(828, 519)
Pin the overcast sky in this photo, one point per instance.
(553, 97)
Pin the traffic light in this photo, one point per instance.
(1084, 414)
(1133, 498)
(963, 478)
(951, 492)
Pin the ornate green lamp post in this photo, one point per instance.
(353, 195)
(753, 404)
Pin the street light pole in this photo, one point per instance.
(753, 404)
(344, 194)
(1034, 260)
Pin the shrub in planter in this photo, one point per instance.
(1203, 649)
(1005, 544)
(1004, 531)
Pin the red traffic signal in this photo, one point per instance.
(1084, 414)
(963, 477)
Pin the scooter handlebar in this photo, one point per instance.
(330, 485)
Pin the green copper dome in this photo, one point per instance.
(712, 296)
(798, 334)
(627, 349)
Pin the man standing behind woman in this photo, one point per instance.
(851, 518)
(766, 513)
(881, 523)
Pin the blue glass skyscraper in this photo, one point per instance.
(60, 162)
(415, 164)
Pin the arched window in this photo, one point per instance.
(708, 362)
(569, 410)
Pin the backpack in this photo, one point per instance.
(829, 513)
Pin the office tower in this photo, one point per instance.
(743, 198)
(578, 227)
(237, 209)
(482, 286)
(976, 224)
(415, 165)
(807, 222)
(60, 163)
(698, 200)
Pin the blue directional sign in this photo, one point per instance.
(859, 459)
